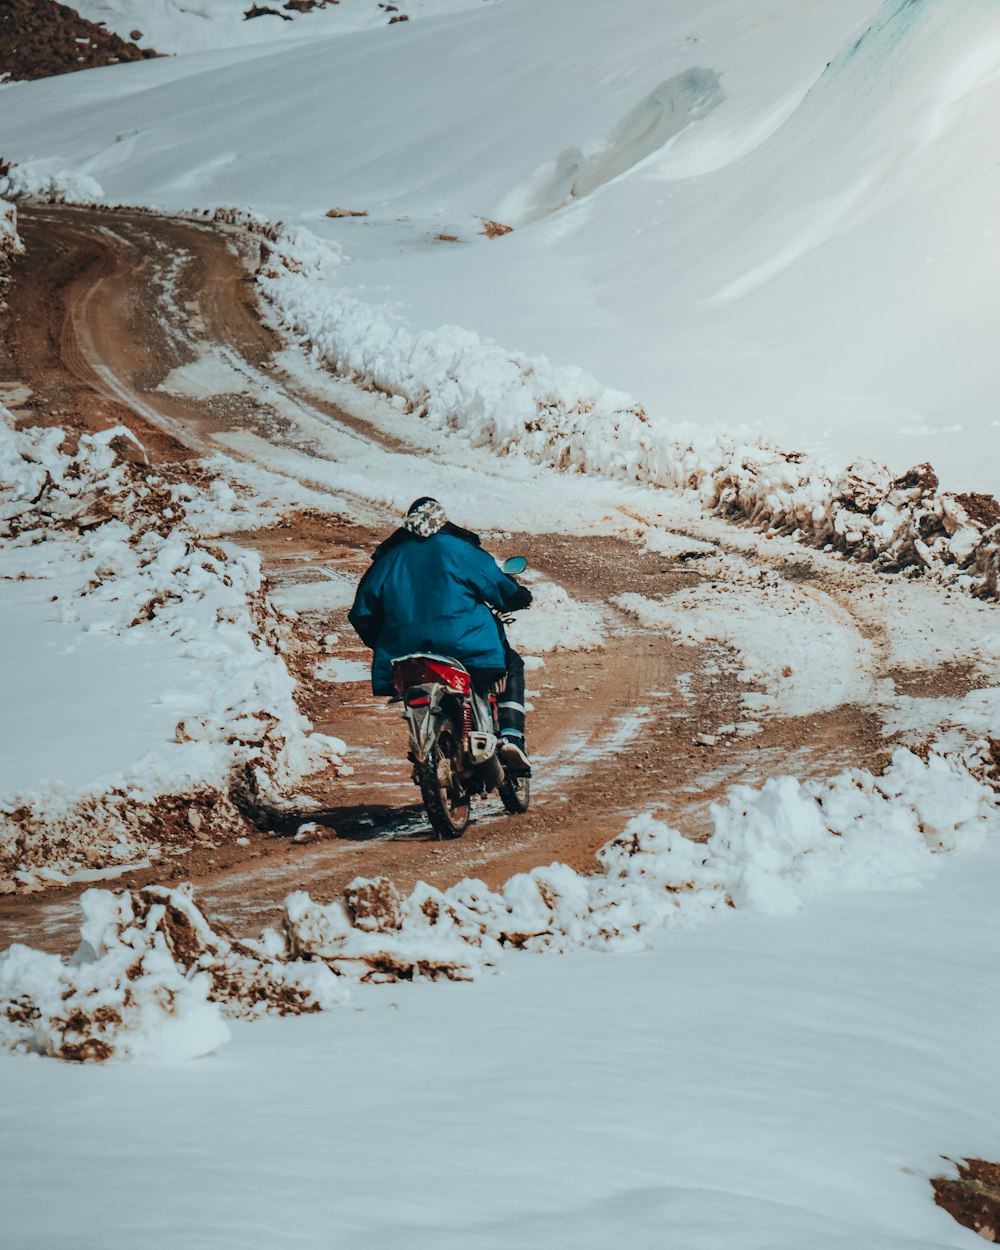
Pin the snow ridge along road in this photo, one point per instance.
(693, 654)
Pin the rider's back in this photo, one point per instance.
(431, 594)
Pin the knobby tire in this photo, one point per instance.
(446, 803)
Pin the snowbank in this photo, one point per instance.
(514, 404)
(112, 538)
(772, 849)
(51, 181)
(150, 981)
(10, 242)
(125, 999)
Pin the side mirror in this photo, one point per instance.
(516, 564)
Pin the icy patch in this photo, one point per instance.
(336, 669)
(931, 626)
(976, 715)
(51, 876)
(203, 378)
(677, 546)
(325, 591)
(581, 751)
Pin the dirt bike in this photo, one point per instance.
(454, 735)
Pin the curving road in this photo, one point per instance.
(124, 316)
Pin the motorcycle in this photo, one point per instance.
(454, 735)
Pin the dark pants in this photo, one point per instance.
(510, 704)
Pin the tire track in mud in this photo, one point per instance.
(104, 307)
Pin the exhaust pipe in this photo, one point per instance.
(483, 749)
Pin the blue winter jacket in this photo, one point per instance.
(430, 594)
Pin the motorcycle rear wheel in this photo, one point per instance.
(515, 793)
(446, 800)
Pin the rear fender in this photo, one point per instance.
(423, 719)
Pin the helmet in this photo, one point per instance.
(425, 517)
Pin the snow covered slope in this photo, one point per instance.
(771, 213)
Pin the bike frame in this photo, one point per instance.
(432, 687)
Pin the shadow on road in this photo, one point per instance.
(362, 823)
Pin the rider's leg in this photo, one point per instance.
(510, 713)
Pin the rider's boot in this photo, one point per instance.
(511, 751)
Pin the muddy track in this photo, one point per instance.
(104, 306)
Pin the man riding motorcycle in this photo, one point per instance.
(431, 587)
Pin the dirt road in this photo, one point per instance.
(105, 307)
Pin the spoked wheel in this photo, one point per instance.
(445, 798)
(515, 793)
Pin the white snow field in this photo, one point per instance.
(754, 1081)
(739, 229)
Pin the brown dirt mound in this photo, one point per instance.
(981, 508)
(39, 38)
(973, 1198)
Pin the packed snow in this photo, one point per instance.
(335, 669)
(557, 621)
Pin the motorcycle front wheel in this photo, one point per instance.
(445, 798)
